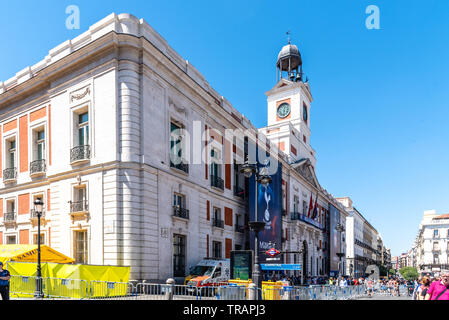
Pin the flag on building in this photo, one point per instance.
(315, 208)
(309, 212)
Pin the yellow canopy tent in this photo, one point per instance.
(28, 253)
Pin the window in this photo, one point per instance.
(11, 206)
(295, 204)
(83, 129)
(39, 145)
(179, 200)
(10, 214)
(435, 233)
(179, 255)
(42, 238)
(216, 249)
(304, 208)
(80, 247)
(436, 246)
(11, 154)
(176, 137)
(79, 202)
(215, 168)
(217, 222)
(11, 239)
(179, 206)
(436, 259)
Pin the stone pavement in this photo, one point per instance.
(387, 297)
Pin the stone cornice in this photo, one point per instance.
(40, 74)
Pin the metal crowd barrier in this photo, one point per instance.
(55, 288)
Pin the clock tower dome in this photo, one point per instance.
(289, 105)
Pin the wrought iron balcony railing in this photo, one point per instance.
(218, 223)
(38, 166)
(80, 153)
(239, 228)
(239, 192)
(216, 182)
(10, 174)
(180, 212)
(79, 206)
(33, 214)
(180, 166)
(294, 215)
(9, 217)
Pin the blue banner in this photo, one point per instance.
(280, 267)
(269, 210)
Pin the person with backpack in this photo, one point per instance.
(421, 291)
(439, 290)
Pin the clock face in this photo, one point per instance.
(304, 112)
(283, 110)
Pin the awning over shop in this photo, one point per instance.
(28, 253)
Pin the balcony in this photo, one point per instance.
(9, 218)
(240, 229)
(294, 215)
(216, 182)
(180, 212)
(80, 154)
(79, 210)
(218, 223)
(239, 192)
(37, 168)
(184, 167)
(9, 175)
(33, 216)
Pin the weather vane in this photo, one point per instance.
(288, 36)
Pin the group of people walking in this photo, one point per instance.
(423, 288)
(432, 288)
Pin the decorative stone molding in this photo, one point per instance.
(80, 94)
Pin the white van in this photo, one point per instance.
(209, 272)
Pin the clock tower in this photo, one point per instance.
(289, 104)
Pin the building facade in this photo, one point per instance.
(106, 131)
(432, 243)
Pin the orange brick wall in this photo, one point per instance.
(48, 199)
(1, 237)
(10, 125)
(23, 141)
(1, 208)
(49, 134)
(24, 203)
(38, 114)
(228, 216)
(1, 170)
(24, 237)
(228, 247)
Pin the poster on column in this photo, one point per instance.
(269, 210)
(334, 244)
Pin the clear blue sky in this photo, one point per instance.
(380, 114)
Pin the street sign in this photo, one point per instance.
(272, 252)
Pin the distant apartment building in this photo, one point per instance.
(432, 243)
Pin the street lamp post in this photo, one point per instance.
(38, 206)
(261, 177)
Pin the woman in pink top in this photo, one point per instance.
(439, 290)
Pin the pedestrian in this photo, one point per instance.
(422, 289)
(439, 290)
(4, 282)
